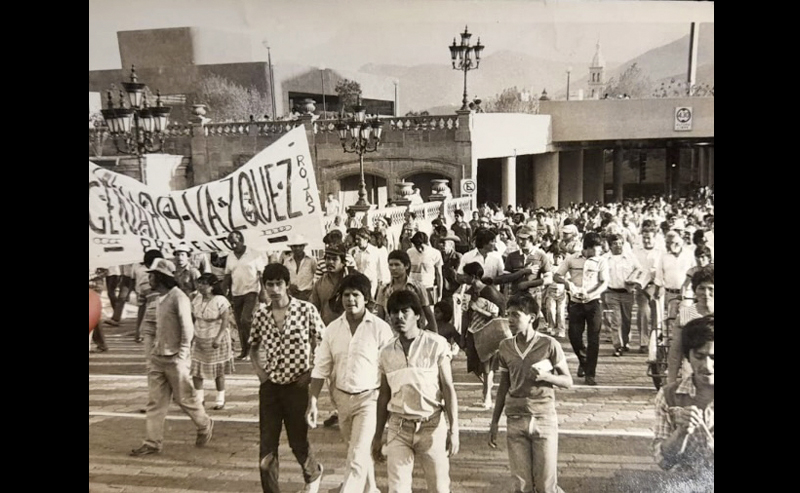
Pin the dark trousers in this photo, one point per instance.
(243, 308)
(279, 405)
(98, 338)
(118, 298)
(589, 317)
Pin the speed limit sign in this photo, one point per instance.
(468, 186)
(683, 118)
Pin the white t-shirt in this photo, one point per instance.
(244, 271)
(423, 265)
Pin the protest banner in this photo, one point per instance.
(269, 200)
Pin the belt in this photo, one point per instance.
(354, 393)
(618, 290)
(418, 421)
(673, 291)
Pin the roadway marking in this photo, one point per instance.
(471, 429)
(253, 378)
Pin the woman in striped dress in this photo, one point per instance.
(211, 348)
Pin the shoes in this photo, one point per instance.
(112, 322)
(642, 349)
(331, 422)
(219, 406)
(138, 340)
(590, 381)
(581, 371)
(204, 438)
(313, 487)
(243, 357)
(625, 349)
(144, 450)
(562, 335)
(98, 350)
(143, 411)
(617, 352)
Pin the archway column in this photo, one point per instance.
(509, 181)
(545, 180)
(570, 178)
(594, 171)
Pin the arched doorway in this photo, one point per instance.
(377, 190)
(423, 182)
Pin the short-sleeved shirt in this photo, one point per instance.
(414, 379)
(526, 396)
(411, 285)
(423, 265)
(301, 276)
(187, 279)
(289, 349)
(537, 261)
(585, 272)
(244, 271)
(492, 264)
(208, 315)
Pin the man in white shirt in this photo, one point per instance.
(367, 259)
(348, 357)
(301, 269)
(332, 206)
(243, 269)
(426, 265)
(648, 256)
(485, 253)
(672, 268)
(618, 297)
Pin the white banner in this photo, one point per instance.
(271, 199)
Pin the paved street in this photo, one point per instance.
(604, 433)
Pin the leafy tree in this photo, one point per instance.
(418, 113)
(675, 89)
(633, 82)
(348, 92)
(228, 101)
(512, 100)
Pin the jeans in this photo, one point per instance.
(646, 317)
(168, 375)
(357, 419)
(243, 308)
(118, 300)
(409, 440)
(279, 405)
(555, 308)
(533, 452)
(619, 308)
(586, 317)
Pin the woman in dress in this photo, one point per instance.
(211, 348)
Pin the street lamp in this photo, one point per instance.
(359, 136)
(138, 128)
(462, 58)
(569, 71)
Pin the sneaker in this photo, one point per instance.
(617, 352)
(144, 450)
(562, 335)
(313, 487)
(205, 437)
(590, 381)
(331, 422)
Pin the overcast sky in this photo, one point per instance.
(347, 34)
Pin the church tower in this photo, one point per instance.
(597, 79)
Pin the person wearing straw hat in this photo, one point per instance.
(169, 363)
(301, 268)
(684, 427)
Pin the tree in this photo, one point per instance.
(418, 113)
(633, 83)
(677, 89)
(512, 100)
(348, 92)
(228, 101)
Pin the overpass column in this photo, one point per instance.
(594, 171)
(545, 180)
(570, 178)
(619, 156)
(509, 180)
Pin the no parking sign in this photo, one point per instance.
(468, 186)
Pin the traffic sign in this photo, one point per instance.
(683, 118)
(468, 186)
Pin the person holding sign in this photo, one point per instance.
(531, 364)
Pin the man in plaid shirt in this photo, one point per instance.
(290, 330)
(684, 428)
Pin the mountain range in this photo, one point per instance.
(438, 89)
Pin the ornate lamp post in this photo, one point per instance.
(139, 128)
(466, 58)
(363, 137)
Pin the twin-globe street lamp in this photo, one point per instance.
(462, 58)
(360, 136)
